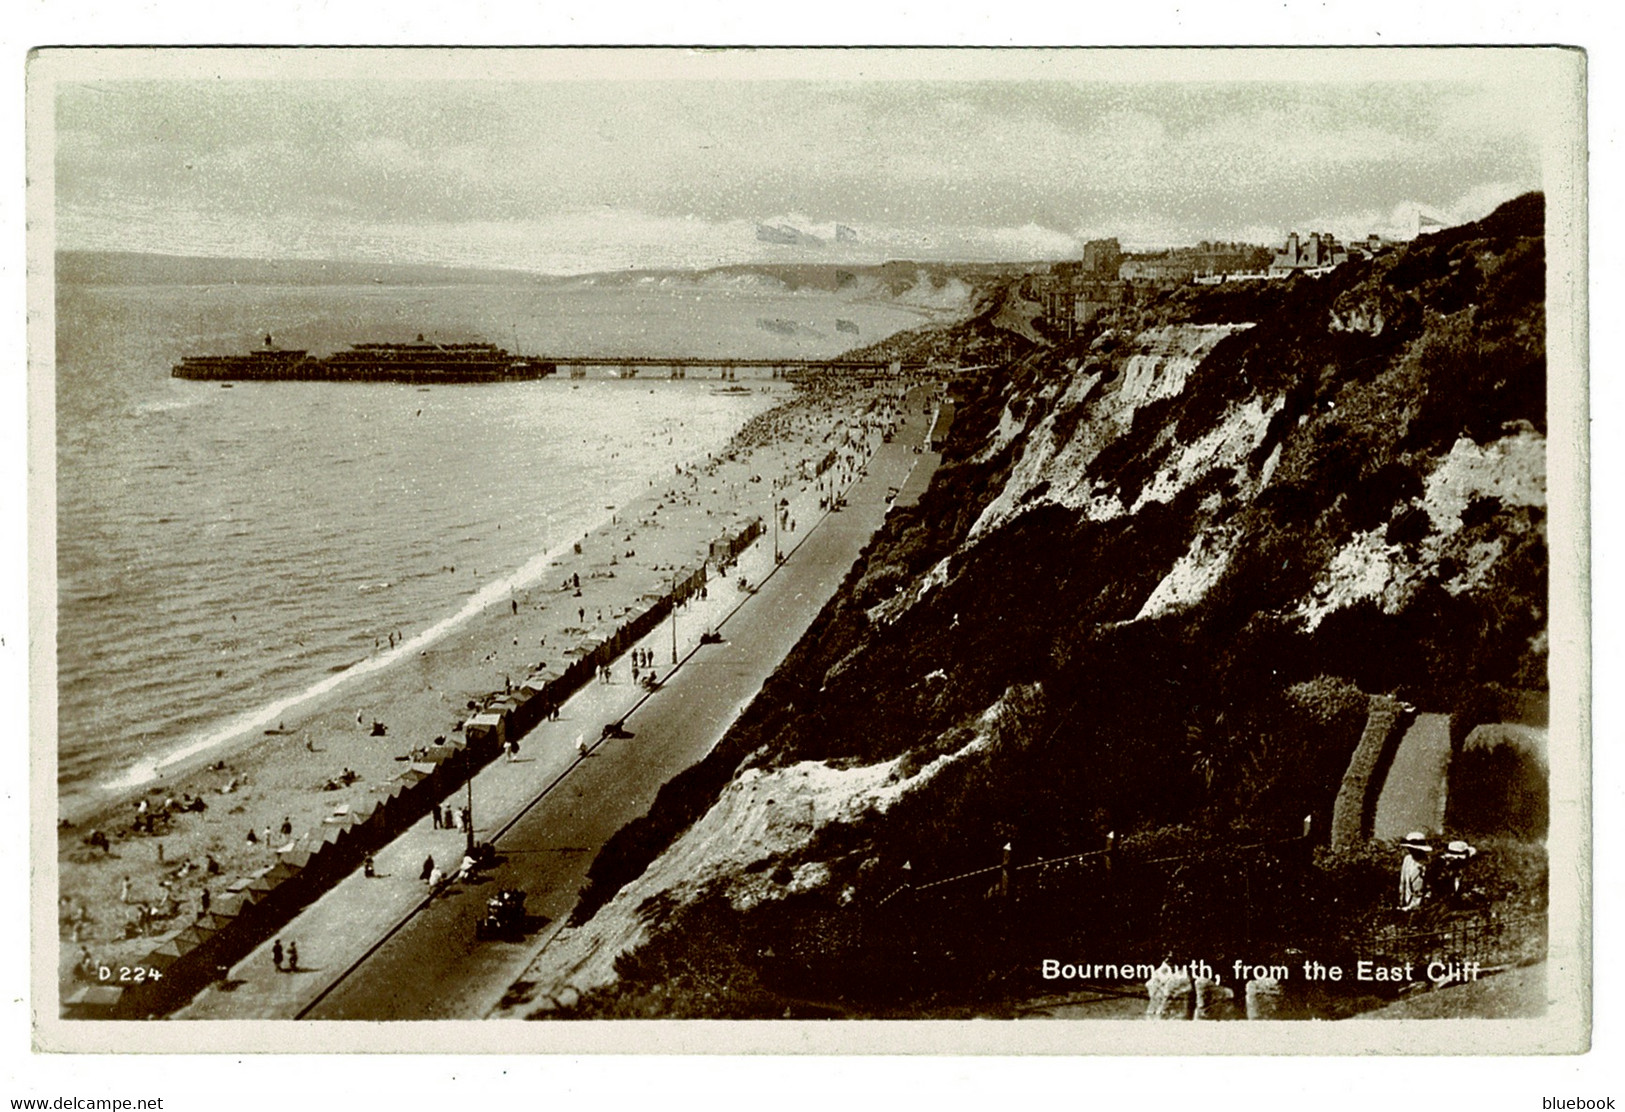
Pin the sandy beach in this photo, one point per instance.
(271, 790)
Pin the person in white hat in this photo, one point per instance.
(1452, 864)
(1413, 870)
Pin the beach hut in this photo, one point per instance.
(438, 756)
(215, 921)
(486, 730)
(164, 955)
(286, 869)
(295, 859)
(94, 1001)
(235, 904)
(192, 937)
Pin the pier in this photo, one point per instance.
(425, 362)
(681, 366)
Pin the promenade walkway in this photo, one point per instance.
(387, 947)
(1413, 795)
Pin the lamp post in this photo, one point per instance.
(674, 617)
(468, 826)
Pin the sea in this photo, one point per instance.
(225, 555)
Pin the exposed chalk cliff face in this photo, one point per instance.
(1150, 571)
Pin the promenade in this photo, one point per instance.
(386, 947)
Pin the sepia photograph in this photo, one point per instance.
(1024, 551)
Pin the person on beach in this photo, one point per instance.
(287, 825)
(276, 954)
(124, 889)
(203, 899)
(252, 837)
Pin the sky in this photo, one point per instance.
(566, 163)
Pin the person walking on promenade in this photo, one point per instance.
(428, 869)
(434, 813)
(276, 954)
(293, 957)
(367, 868)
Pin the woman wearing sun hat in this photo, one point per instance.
(1413, 870)
(1452, 864)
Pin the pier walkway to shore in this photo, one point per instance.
(386, 948)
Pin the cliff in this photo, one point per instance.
(1153, 586)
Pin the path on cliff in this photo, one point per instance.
(384, 948)
(1413, 794)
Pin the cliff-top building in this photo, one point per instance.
(1318, 252)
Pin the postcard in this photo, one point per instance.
(1026, 551)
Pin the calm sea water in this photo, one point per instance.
(222, 552)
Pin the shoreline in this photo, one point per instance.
(280, 784)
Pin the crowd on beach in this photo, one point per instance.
(145, 866)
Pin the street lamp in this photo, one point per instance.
(468, 826)
(674, 617)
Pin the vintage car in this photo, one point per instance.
(504, 915)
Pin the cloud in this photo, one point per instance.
(585, 175)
